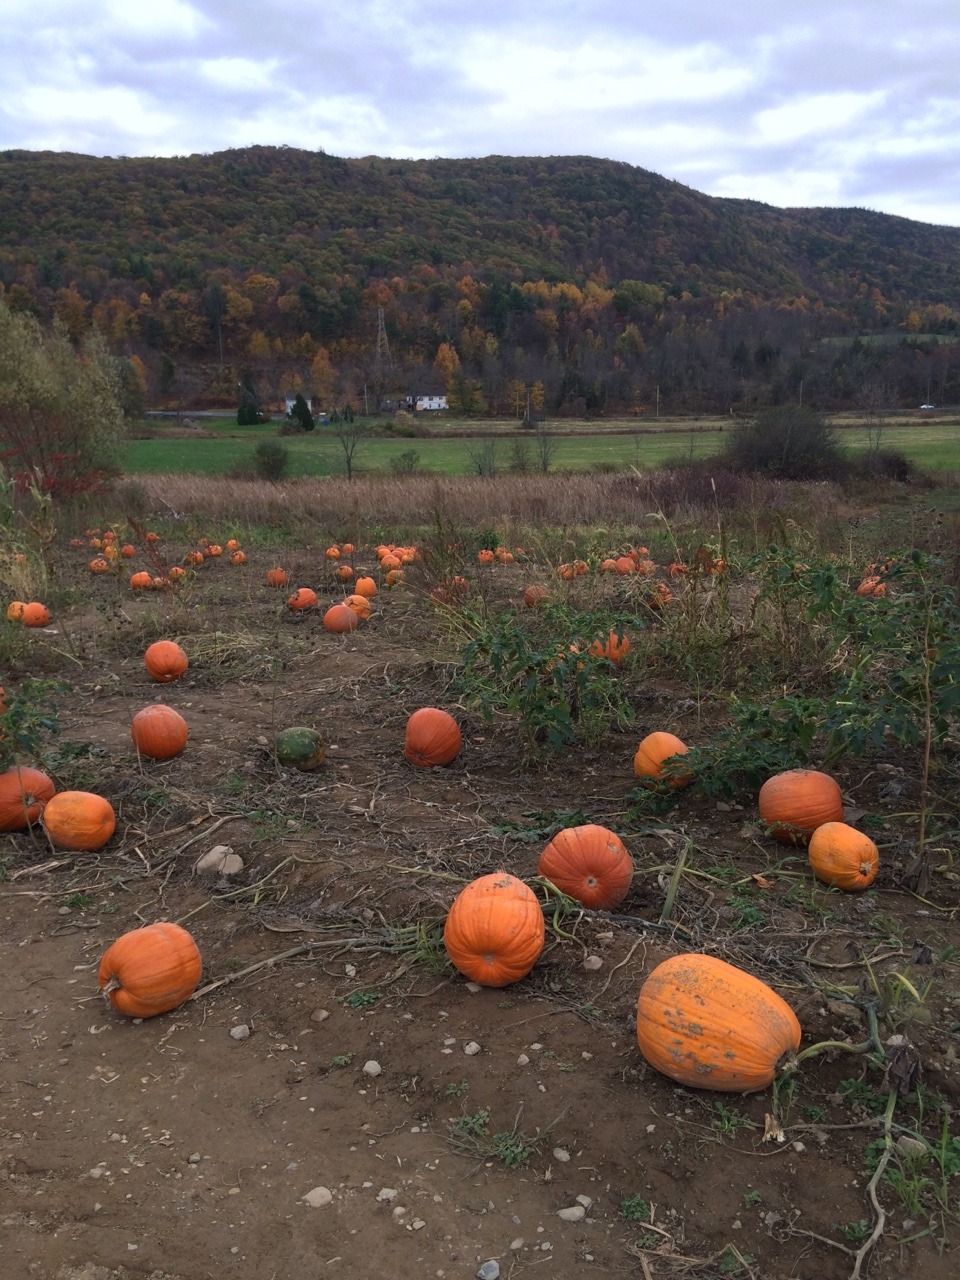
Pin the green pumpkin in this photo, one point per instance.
(300, 748)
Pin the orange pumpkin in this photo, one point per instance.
(588, 863)
(390, 562)
(15, 611)
(432, 737)
(707, 1024)
(277, 577)
(608, 565)
(23, 793)
(141, 581)
(652, 756)
(360, 606)
(128, 551)
(151, 970)
(302, 598)
(485, 556)
(78, 820)
(494, 931)
(98, 565)
(339, 619)
(238, 557)
(343, 573)
(159, 732)
(394, 578)
(176, 572)
(333, 553)
(214, 549)
(348, 548)
(35, 614)
(365, 587)
(534, 596)
(615, 647)
(232, 544)
(165, 661)
(625, 565)
(793, 804)
(153, 537)
(843, 857)
(193, 557)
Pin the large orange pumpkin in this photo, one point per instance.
(793, 804)
(652, 755)
(141, 581)
(78, 820)
(588, 863)
(340, 619)
(277, 577)
(843, 857)
(432, 737)
(159, 732)
(707, 1024)
(365, 587)
(302, 598)
(165, 661)
(23, 793)
(151, 970)
(494, 932)
(360, 606)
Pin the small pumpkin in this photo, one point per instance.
(843, 857)
(98, 565)
(303, 598)
(794, 803)
(432, 737)
(365, 587)
(486, 556)
(360, 606)
(232, 544)
(614, 648)
(652, 756)
(35, 614)
(389, 562)
(23, 793)
(589, 863)
(159, 732)
(332, 553)
(707, 1024)
(340, 619)
(625, 565)
(494, 931)
(215, 550)
(165, 661)
(277, 577)
(238, 557)
(534, 596)
(194, 557)
(300, 748)
(343, 573)
(141, 581)
(176, 572)
(15, 611)
(348, 548)
(78, 820)
(150, 970)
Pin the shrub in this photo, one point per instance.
(789, 443)
(270, 460)
(406, 463)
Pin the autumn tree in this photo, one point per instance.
(61, 417)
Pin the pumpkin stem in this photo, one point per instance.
(113, 985)
(864, 1047)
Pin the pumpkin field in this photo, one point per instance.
(437, 882)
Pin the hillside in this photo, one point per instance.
(261, 256)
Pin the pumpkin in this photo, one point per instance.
(193, 557)
(150, 970)
(238, 557)
(343, 573)
(340, 619)
(300, 748)
(793, 804)
(390, 562)
(365, 587)
(215, 550)
(534, 596)
(625, 565)
(348, 548)
(652, 755)
(843, 857)
(494, 931)
(141, 581)
(128, 551)
(15, 611)
(360, 606)
(78, 820)
(23, 793)
(333, 553)
(707, 1024)
(615, 647)
(394, 578)
(153, 537)
(588, 863)
(98, 565)
(302, 598)
(485, 556)
(159, 584)
(277, 577)
(432, 737)
(159, 732)
(35, 614)
(608, 565)
(232, 544)
(176, 572)
(165, 661)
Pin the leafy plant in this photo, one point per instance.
(361, 999)
(635, 1209)
(29, 720)
(470, 1135)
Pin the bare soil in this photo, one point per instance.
(172, 1150)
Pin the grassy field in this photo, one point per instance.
(934, 445)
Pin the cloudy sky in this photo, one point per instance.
(820, 102)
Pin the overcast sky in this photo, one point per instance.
(820, 102)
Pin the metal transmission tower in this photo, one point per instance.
(382, 360)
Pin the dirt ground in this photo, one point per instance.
(337, 1103)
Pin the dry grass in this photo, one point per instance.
(343, 508)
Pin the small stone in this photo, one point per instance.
(592, 962)
(219, 861)
(721, 807)
(587, 1057)
(516, 1244)
(473, 987)
(372, 1068)
(798, 1147)
(737, 1224)
(194, 1158)
(386, 1194)
(908, 1146)
(64, 911)
(418, 1224)
(471, 1048)
(489, 1270)
(559, 1153)
(575, 1213)
(586, 1201)
(523, 1060)
(242, 1032)
(651, 1128)
(399, 1211)
(318, 1197)
(350, 970)
(320, 1015)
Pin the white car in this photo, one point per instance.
(928, 406)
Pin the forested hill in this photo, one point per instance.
(589, 284)
(165, 222)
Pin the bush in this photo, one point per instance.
(406, 463)
(270, 460)
(789, 443)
